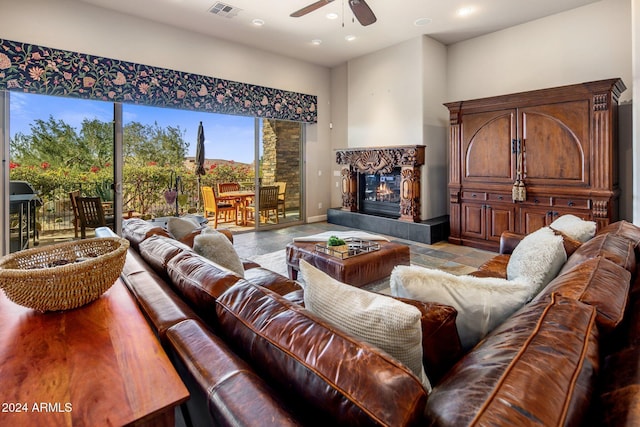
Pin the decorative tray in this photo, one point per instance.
(353, 247)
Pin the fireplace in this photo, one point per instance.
(382, 180)
(379, 193)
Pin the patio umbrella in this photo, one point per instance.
(200, 158)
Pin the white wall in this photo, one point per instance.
(385, 97)
(592, 42)
(339, 124)
(435, 123)
(80, 27)
(395, 98)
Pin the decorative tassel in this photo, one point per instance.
(519, 191)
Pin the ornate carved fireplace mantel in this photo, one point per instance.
(383, 160)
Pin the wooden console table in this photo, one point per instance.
(97, 365)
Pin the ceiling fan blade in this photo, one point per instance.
(310, 8)
(363, 12)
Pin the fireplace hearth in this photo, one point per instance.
(382, 181)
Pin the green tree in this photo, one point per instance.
(52, 141)
(96, 141)
(151, 144)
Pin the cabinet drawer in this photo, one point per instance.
(572, 203)
(474, 195)
(539, 200)
(499, 197)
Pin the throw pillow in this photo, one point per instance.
(216, 246)
(575, 227)
(482, 302)
(379, 320)
(179, 227)
(537, 259)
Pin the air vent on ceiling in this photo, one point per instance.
(225, 10)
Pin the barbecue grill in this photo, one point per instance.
(23, 201)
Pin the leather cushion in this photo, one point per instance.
(615, 248)
(549, 348)
(623, 229)
(495, 267)
(271, 280)
(328, 374)
(136, 230)
(597, 282)
(157, 251)
(200, 282)
(229, 383)
(441, 346)
(157, 300)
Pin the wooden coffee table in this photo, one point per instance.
(358, 270)
(96, 365)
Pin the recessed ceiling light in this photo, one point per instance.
(332, 15)
(420, 22)
(258, 22)
(316, 42)
(465, 11)
(350, 38)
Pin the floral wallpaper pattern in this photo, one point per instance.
(37, 69)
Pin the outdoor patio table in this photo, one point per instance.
(242, 198)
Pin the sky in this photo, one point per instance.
(226, 137)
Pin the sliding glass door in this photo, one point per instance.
(279, 171)
(57, 146)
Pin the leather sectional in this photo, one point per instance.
(253, 355)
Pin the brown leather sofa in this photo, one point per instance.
(254, 356)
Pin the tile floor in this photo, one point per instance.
(442, 255)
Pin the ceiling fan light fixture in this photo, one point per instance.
(316, 42)
(332, 15)
(258, 22)
(350, 37)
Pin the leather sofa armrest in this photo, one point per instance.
(508, 241)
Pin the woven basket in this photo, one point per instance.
(29, 279)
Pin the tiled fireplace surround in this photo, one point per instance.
(372, 160)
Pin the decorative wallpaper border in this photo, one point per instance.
(43, 70)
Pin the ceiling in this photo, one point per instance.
(293, 37)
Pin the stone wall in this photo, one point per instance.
(281, 157)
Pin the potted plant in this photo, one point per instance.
(337, 244)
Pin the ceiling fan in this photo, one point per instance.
(360, 9)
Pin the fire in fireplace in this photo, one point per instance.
(380, 193)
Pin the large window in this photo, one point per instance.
(59, 145)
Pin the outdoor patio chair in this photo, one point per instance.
(92, 215)
(73, 195)
(282, 190)
(216, 207)
(268, 200)
(223, 187)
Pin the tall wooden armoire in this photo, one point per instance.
(562, 143)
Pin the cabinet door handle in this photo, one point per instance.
(536, 201)
(500, 197)
(571, 203)
(473, 195)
